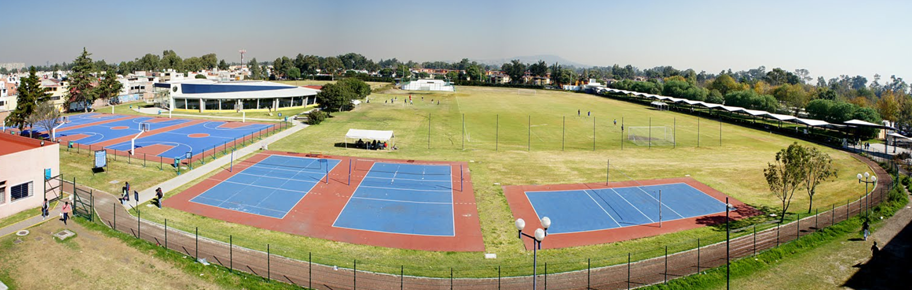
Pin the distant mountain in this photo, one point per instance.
(549, 59)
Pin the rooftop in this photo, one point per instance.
(10, 144)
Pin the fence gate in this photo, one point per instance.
(53, 188)
(83, 204)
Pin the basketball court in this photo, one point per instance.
(408, 204)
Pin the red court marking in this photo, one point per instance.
(522, 208)
(120, 128)
(157, 120)
(314, 215)
(153, 150)
(149, 133)
(198, 135)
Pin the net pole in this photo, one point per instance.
(326, 170)
(650, 132)
(349, 172)
(461, 181)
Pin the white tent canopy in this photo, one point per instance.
(369, 134)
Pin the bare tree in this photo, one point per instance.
(819, 168)
(46, 116)
(786, 174)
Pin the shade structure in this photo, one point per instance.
(378, 135)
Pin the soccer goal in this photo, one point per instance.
(650, 135)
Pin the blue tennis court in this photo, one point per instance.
(608, 208)
(108, 131)
(403, 199)
(181, 142)
(270, 187)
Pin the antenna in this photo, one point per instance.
(242, 51)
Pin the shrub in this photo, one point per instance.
(316, 117)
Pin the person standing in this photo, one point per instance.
(577, 113)
(66, 211)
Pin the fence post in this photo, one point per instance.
(310, 270)
(138, 224)
(546, 275)
(698, 255)
(230, 253)
(777, 233)
(755, 240)
(401, 276)
(628, 270)
(268, 264)
(666, 264)
(451, 278)
(92, 204)
(498, 277)
(144, 159)
(798, 226)
(355, 275)
(166, 234)
(161, 163)
(115, 209)
(129, 158)
(197, 247)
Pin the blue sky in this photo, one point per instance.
(828, 38)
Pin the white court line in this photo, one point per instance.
(261, 186)
(405, 201)
(265, 166)
(409, 179)
(283, 183)
(660, 203)
(599, 205)
(634, 207)
(408, 189)
(185, 134)
(234, 203)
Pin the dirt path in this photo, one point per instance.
(889, 269)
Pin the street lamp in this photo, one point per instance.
(728, 207)
(537, 238)
(867, 179)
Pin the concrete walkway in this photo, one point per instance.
(199, 171)
(54, 214)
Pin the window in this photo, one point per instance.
(2, 192)
(21, 191)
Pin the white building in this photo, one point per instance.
(201, 95)
(429, 85)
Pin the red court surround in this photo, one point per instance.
(314, 215)
(120, 128)
(198, 135)
(522, 208)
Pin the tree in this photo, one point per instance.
(887, 106)
(3, 71)
(819, 168)
(170, 60)
(452, 75)
(255, 71)
(792, 96)
(725, 84)
(332, 65)
(293, 73)
(30, 95)
(423, 75)
(475, 72)
(335, 97)
(209, 61)
(786, 174)
(222, 65)
(45, 116)
(356, 86)
(515, 69)
(109, 87)
(81, 90)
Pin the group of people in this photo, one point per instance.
(372, 145)
(409, 101)
(125, 194)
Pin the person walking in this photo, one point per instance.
(865, 228)
(66, 211)
(158, 197)
(44, 209)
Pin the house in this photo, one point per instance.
(497, 77)
(57, 89)
(28, 164)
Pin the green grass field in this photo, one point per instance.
(500, 118)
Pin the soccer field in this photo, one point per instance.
(529, 154)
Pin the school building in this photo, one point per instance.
(25, 164)
(206, 95)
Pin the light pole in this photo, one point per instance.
(539, 235)
(867, 179)
(728, 207)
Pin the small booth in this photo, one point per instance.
(367, 136)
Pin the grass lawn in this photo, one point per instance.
(533, 118)
(21, 216)
(79, 165)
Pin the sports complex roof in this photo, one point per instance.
(206, 89)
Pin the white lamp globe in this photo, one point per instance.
(539, 234)
(860, 177)
(873, 178)
(546, 222)
(867, 174)
(520, 224)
